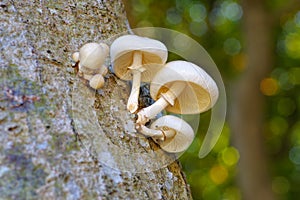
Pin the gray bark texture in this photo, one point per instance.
(44, 153)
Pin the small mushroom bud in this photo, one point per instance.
(75, 56)
(97, 81)
(91, 58)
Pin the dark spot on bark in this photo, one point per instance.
(12, 128)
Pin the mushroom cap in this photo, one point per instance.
(96, 82)
(199, 95)
(184, 133)
(154, 55)
(75, 56)
(92, 55)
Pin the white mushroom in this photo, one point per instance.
(171, 133)
(75, 56)
(138, 59)
(91, 58)
(180, 87)
(97, 81)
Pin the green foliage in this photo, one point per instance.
(216, 25)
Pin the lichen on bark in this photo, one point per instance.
(40, 155)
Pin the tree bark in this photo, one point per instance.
(44, 152)
(247, 109)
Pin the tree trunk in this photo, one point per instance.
(49, 149)
(247, 109)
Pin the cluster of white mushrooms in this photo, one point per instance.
(91, 58)
(178, 87)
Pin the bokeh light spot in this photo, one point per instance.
(197, 12)
(278, 125)
(280, 185)
(216, 18)
(232, 46)
(286, 106)
(183, 4)
(181, 42)
(295, 136)
(198, 178)
(211, 193)
(294, 155)
(238, 61)
(294, 75)
(173, 16)
(292, 44)
(269, 86)
(218, 174)
(284, 81)
(198, 28)
(231, 10)
(232, 193)
(230, 156)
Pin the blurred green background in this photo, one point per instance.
(256, 46)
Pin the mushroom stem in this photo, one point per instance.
(166, 99)
(132, 104)
(159, 135)
(151, 111)
(103, 70)
(155, 134)
(168, 132)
